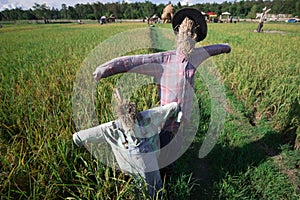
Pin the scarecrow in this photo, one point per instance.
(262, 17)
(127, 136)
(173, 72)
(168, 13)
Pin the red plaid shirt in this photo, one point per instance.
(173, 73)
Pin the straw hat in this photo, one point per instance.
(200, 25)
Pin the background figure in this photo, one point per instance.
(102, 20)
(262, 17)
(168, 13)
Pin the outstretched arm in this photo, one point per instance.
(94, 134)
(217, 49)
(144, 64)
(203, 53)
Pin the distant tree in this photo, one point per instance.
(112, 8)
(147, 8)
(123, 5)
(41, 12)
(29, 15)
(98, 10)
(64, 11)
(179, 5)
(88, 10)
(79, 10)
(226, 6)
(253, 11)
(213, 8)
(54, 13)
(297, 12)
(128, 13)
(91, 17)
(284, 6)
(240, 9)
(14, 14)
(72, 14)
(19, 13)
(160, 8)
(4, 14)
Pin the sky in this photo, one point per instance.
(26, 4)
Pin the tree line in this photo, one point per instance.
(140, 10)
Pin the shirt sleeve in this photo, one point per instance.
(154, 119)
(90, 135)
(201, 54)
(149, 64)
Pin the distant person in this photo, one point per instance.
(112, 18)
(102, 20)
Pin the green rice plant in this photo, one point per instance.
(262, 70)
(38, 160)
(36, 112)
(259, 183)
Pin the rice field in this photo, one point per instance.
(254, 157)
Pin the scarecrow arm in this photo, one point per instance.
(142, 64)
(91, 135)
(157, 116)
(217, 49)
(203, 53)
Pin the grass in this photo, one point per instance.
(269, 64)
(253, 158)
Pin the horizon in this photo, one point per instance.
(26, 5)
